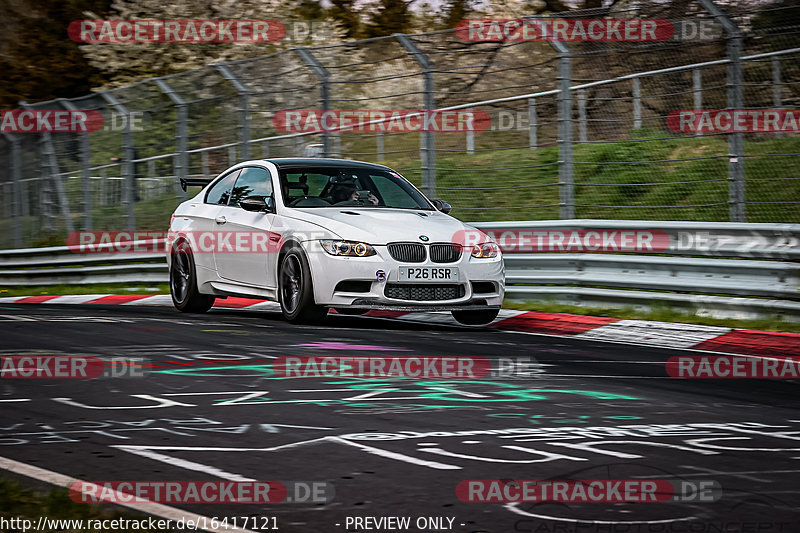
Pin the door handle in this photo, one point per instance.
(220, 220)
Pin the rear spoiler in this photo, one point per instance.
(194, 182)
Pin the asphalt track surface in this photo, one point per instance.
(585, 410)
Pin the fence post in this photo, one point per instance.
(244, 108)
(324, 93)
(736, 176)
(86, 185)
(777, 86)
(181, 134)
(16, 192)
(128, 168)
(50, 174)
(697, 81)
(533, 124)
(566, 167)
(427, 139)
(637, 103)
(379, 141)
(582, 116)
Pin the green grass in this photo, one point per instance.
(50, 290)
(603, 184)
(17, 501)
(659, 313)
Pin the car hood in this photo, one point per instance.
(381, 226)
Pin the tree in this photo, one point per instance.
(388, 17)
(345, 14)
(37, 59)
(455, 11)
(124, 63)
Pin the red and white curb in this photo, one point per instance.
(592, 328)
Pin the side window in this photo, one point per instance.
(221, 191)
(252, 182)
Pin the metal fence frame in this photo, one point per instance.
(566, 123)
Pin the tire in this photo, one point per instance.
(296, 289)
(350, 312)
(476, 318)
(183, 283)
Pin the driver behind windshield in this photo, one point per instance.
(343, 194)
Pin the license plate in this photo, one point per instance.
(436, 274)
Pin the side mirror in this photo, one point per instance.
(258, 204)
(442, 206)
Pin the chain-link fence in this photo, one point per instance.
(577, 129)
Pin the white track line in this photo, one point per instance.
(153, 509)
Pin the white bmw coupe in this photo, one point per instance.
(319, 233)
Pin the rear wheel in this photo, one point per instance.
(296, 290)
(477, 317)
(183, 283)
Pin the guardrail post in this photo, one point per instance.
(244, 108)
(86, 185)
(697, 90)
(470, 137)
(181, 135)
(324, 93)
(204, 164)
(16, 191)
(427, 139)
(129, 181)
(50, 174)
(777, 86)
(736, 175)
(533, 124)
(379, 141)
(637, 103)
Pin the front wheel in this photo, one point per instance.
(183, 283)
(477, 317)
(296, 291)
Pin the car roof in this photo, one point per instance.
(286, 162)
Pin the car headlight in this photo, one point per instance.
(485, 250)
(348, 248)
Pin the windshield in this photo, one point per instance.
(349, 187)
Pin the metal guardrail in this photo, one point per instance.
(729, 270)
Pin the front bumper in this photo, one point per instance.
(328, 271)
